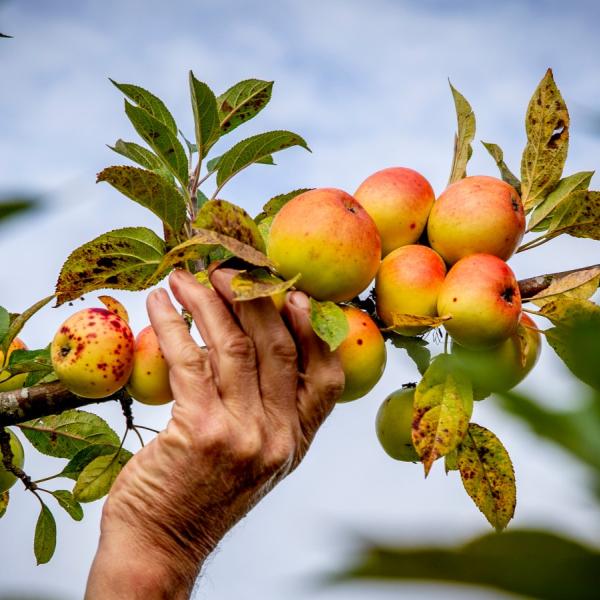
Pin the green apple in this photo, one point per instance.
(7, 479)
(394, 425)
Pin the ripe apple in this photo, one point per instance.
(92, 353)
(362, 354)
(482, 296)
(149, 380)
(327, 237)
(399, 201)
(501, 368)
(8, 383)
(408, 282)
(475, 215)
(7, 479)
(394, 425)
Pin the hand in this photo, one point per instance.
(245, 412)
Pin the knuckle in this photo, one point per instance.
(190, 356)
(283, 348)
(239, 347)
(249, 445)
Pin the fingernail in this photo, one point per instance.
(160, 296)
(299, 300)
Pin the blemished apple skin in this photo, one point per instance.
(327, 237)
(399, 201)
(501, 368)
(362, 354)
(477, 214)
(92, 353)
(8, 383)
(8, 479)
(149, 380)
(393, 425)
(481, 295)
(408, 282)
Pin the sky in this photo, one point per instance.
(366, 84)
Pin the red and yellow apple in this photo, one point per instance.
(7, 479)
(475, 215)
(399, 201)
(481, 295)
(327, 237)
(393, 425)
(92, 353)
(8, 383)
(408, 282)
(362, 354)
(149, 380)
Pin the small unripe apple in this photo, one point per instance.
(8, 383)
(362, 354)
(7, 479)
(481, 295)
(394, 425)
(399, 201)
(408, 282)
(92, 353)
(327, 237)
(475, 215)
(501, 368)
(149, 381)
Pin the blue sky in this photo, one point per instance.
(366, 84)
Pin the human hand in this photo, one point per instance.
(245, 411)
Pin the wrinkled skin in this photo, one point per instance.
(245, 412)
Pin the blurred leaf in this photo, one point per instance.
(275, 204)
(329, 322)
(488, 476)
(242, 102)
(416, 348)
(18, 322)
(462, 141)
(44, 542)
(150, 190)
(4, 498)
(64, 435)
(115, 307)
(259, 283)
(442, 408)
(84, 457)
(254, 149)
(14, 206)
(3, 35)
(120, 259)
(68, 502)
(506, 174)
(579, 217)
(579, 284)
(541, 216)
(547, 127)
(231, 220)
(97, 477)
(206, 117)
(534, 564)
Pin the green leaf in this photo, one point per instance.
(98, 476)
(150, 190)
(4, 498)
(416, 348)
(213, 164)
(254, 149)
(579, 216)
(84, 457)
(264, 226)
(329, 322)
(231, 220)
(148, 102)
(44, 542)
(242, 102)
(488, 475)
(4, 322)
(162, 140)
(64, 435)
(12, 207)
(506, 174)
(201, 198)
(275, 204)
(138, 154)
(206, 116)
(462, 141)
(442, 408)
(27, 361)
(259, 283)
(120, 259)
(547, 126)
(68, 502)
(542, 215)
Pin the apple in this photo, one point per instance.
(327, 237)
(149, 380)
(393, 425)
(501, 368)
(408, 282)
(7, 479)
(92, 353)
(481, 295)
(476, 215)
(362, 354)
(8, 383)
(399, 201)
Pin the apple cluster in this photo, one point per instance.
(432, 260)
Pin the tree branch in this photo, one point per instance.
(534, 285)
